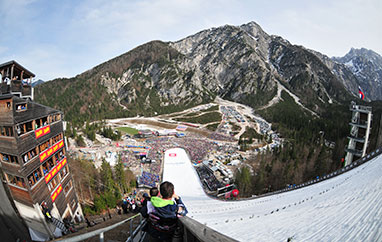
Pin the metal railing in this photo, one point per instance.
(101, 232)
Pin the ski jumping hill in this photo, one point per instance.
(341, 207)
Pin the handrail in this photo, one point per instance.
(136, 231)
(192, 230)
(202, 232)
(99, 232)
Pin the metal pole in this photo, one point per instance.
(101, 237)
(131, 227)
(140, 222)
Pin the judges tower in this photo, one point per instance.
(359, 134)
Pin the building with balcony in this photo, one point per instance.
(33, 159)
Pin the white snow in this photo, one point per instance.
(277, 98)
(349, 64)
(279, 59)
(347, 207)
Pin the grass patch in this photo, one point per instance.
(212, 127)
(251, 134)
(235, 127)
(128, 130)
(213, 108)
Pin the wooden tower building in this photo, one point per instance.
(34, 166)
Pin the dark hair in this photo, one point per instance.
(154, 192)
(166, 189)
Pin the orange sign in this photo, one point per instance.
(56, 193)
(47, 153)
(55, 170)
(42, 131)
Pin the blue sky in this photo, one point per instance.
(58, 38)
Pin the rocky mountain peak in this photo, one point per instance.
(362, 55)
(254, 29)
(366, 65)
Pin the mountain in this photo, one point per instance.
(239, 63)
(366, 65)
(38, 82)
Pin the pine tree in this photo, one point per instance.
(121, 176)
(107, 177)
(243, 180)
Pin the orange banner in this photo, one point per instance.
(42, 131)
(55, 170)
(56, 193)
(47, 153)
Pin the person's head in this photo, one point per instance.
(166, 189)
(154, 192)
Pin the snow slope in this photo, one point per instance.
(347, 207)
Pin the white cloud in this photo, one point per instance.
(333, 27)
(68, 38)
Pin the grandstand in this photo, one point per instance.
(342, 207)
(206, 175)
(148, 179)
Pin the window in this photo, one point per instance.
(48, 143)
(48, 165)
(55, 117)
(44, 146)
(9, 158)
(5, 105)
(28, 156)
(53, 183)
(68, 187)
(21, 107)
(64, 171)
(15, 180)
(34, 177)
(6, 131)
(28, 126)
(24, 128)
(57, 138)
(41, 122)
(61, 154)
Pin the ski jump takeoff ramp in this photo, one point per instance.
(347, 207)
